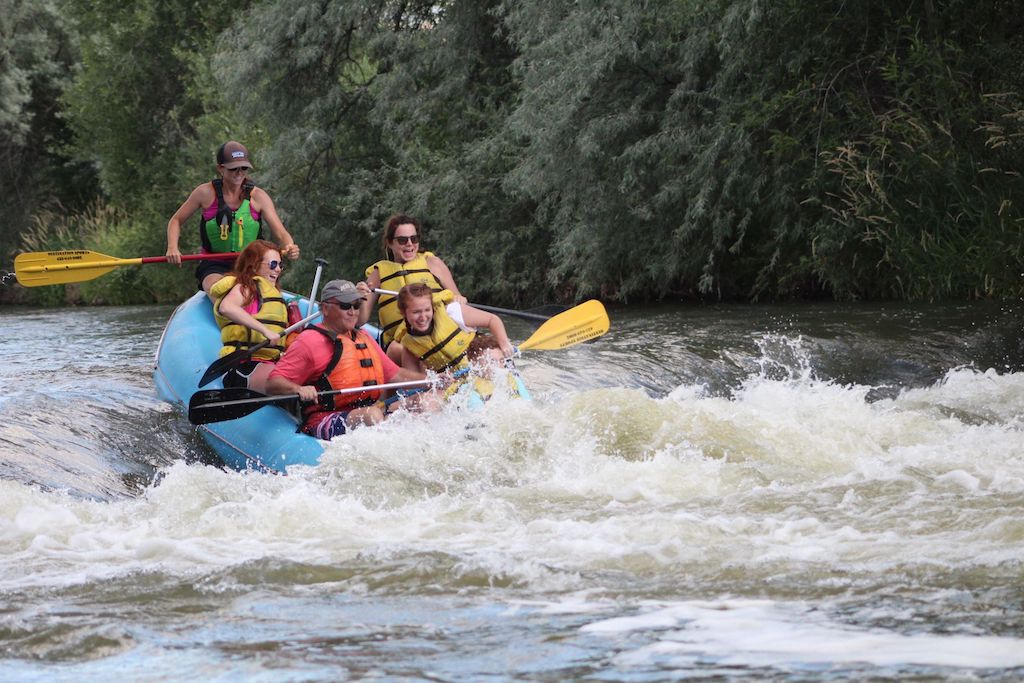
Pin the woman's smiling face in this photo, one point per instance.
(271, 258)
(406, 232)
(419, 313)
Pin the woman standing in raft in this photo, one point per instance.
(435, 331)
(403, 264)
(233, 213)
(249, 309)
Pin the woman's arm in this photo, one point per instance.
(444, 276)
(231, 308)
(392, 371)
(411, 362)
(199, 199)
(474, 317)
(262, 203)
(370, 297)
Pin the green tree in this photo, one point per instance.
(744, 148)
(146, 116)
(443, 103)
(625, 148)
(37, 55)
(144, 106)
(380, 107)
(299, 72)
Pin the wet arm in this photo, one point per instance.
(199, 198)
(478, 319)
(231, 308)
(411, 363)
(444, 276)
(394, 373)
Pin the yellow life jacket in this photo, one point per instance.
(484, 387)
(443, 347)
(271, 312)
(394, 276)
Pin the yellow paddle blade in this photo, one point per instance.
(579, 324)
(61, 267)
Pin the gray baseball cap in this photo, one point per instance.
(340, 290)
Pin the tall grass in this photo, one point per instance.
(115, 232)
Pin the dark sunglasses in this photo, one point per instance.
(240, 169)
(274, 265)
(342, 305)
(405, 239)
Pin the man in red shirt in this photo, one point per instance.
(336, 355)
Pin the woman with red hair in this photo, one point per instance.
(249, 309)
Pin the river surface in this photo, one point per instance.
(807, 492)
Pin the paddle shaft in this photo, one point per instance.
(490, 309)
(581, 323)
(81, 265)
(320, 263)
(330, 392)
(236, 358)
(38, 268)
(215, 405)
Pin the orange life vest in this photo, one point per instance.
(353, 364)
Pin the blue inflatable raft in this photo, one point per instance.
(266, 440)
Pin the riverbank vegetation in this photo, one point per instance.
(721, 149)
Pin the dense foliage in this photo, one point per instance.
(620, 148)
(37, 54)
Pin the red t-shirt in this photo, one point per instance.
(307, 358)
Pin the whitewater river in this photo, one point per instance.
(792, 493)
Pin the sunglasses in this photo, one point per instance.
(342, 305)
(405, 239)
(274, 265)
(240, 169)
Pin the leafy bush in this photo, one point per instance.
(113, 231)
(557, 150)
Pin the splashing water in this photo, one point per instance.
(726, 502)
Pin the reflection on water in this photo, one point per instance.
(787, 492)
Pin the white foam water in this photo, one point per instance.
(788, 527)
(758, 634)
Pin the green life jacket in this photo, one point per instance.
(230, 230)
